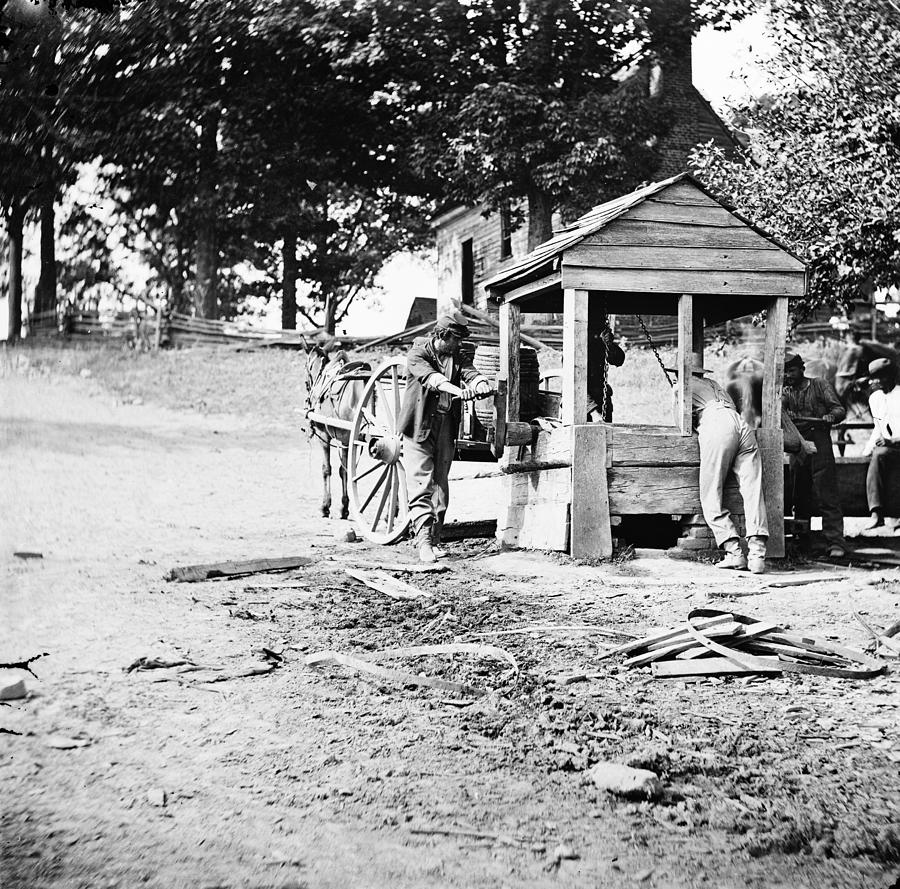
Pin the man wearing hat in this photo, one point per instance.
(814, 407)
(438, 379)
(728, 445)
(884, 443)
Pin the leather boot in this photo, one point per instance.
(756, 554)
(423, 544)
(734, 558)
(876, 521)
(439, 551)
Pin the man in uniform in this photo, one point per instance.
(814, 407)
(438, 379)
(728, 445)
(884, 443)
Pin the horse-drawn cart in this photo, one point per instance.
(366, 430)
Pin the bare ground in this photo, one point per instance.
(326, 778)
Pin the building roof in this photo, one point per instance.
(545, 257)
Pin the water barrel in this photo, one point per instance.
(486, 359)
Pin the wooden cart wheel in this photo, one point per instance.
(379, 502)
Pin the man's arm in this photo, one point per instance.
(834, 410)
(419, 366)
(471, 377)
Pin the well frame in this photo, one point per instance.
(669, 248)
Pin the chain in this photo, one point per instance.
(605, 406)
(669, 380)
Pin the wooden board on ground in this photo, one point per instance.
(382, 582)
(711, 666)
(194, 573)
(467, 530)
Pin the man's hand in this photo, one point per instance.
(606, 336)
(880, 443)
(483, 387)
(468, 394)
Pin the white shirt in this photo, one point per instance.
(885, 408)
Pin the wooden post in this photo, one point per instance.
(697, 344)
(769, 436)
(574, 382)
(510, 327)
(685, 359)
(773, 362)
(590, 529)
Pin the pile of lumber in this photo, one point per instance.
(714, 643)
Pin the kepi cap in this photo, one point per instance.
(454, 321)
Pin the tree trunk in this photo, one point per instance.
(289, 281)
(15, 222)
(207, 240)
(330, 308)
(45, 293)
(540, 214)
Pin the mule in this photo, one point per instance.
(333, 389)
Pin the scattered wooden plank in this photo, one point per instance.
(382, 582)
(803, 580)
(660, 650)
(194, 573)
(414, 567)
(711, 666)
(666, 634)
(552, 628)
(354, 663)
(467, 530)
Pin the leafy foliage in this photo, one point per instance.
(822, 167)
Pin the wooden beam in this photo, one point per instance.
(574, 394)
(524, 292)
(769, 436)
(723, 283)
(773, 362)
(591, 531)
(685, 359)
(510, 329)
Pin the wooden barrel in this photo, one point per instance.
(486, 359)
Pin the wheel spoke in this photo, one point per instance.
(396, 382)
(387, 406)
(369, 471)
(374, 490)
(392, 507)
(381, 504)
(370, 418)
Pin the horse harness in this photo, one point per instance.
(327, 389)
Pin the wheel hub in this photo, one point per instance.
(386, 448)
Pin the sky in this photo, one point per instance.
(726, 65)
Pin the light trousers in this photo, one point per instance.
(427, 465)
(728, 445)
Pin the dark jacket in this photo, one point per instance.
(596, 370)
(420, 401)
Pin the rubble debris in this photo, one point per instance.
(788, 580)
(345, 535)
(194, 573)
(506, 839)
(156, 796)
(552, 628)
(626, 781)
(416, 567)
(711, 643)
(881, 640)
(62, 742)
(25, 555)
(354, 663)
(155, 663)
(561, 853)
(453, 648)
(14, 691)
(24, 665)
(382, 582)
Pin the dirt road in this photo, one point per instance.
(302, 778)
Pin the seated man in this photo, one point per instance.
(814, 407)
(728, 445)
(884, 443)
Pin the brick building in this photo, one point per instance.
(472, 247)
